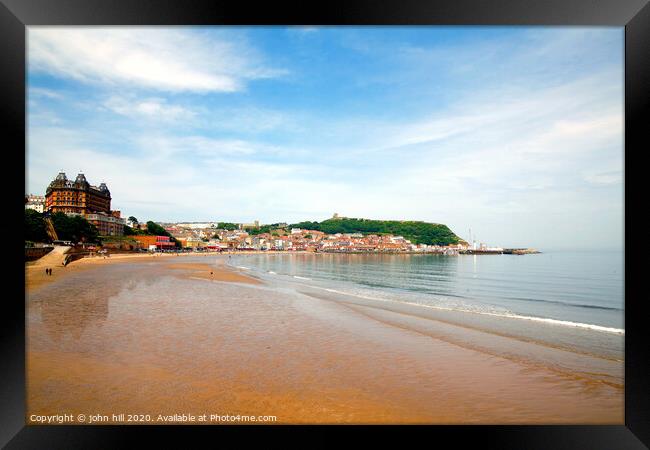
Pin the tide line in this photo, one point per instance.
(566, 323)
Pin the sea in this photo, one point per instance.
(573, 288)
(572, 301)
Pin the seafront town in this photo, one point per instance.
(209, 237)
(114, 233)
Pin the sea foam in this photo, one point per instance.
(549, 321)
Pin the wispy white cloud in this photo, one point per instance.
(249, 119)
(302, 29)
(203, 150)
(611, 177)
(152, 108)
(157, 58)
(43, 92)
(174, 185)
(511, 160)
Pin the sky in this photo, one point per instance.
(513, 132)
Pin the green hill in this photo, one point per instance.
(415, 231)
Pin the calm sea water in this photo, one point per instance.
(580, 287)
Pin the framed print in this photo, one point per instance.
(410, 214)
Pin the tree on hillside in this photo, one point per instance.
(128, 231)
(74, 228)
(262, 229)
(154, 229)
(227, 226)
(133, 220)
(417, 232)
(35, 227)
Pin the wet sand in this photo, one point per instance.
(153, 336)
(35, 276)
(211, 273)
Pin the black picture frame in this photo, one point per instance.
(634, 15)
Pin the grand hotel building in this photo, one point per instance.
(78, 197)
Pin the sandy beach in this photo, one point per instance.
(163, 336)
(35, 276)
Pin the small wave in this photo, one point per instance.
(302, 278)
(272, 273)
(567, 323)
(243, 267)
(557, 302)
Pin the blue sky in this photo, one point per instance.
(514, 132)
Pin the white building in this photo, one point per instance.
(35, 202)
(195, 226)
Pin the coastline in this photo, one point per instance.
(241, 346)
(35, 276)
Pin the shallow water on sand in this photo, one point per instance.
(582, 287)
(141, 338)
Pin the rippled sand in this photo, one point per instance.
(166, 337)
